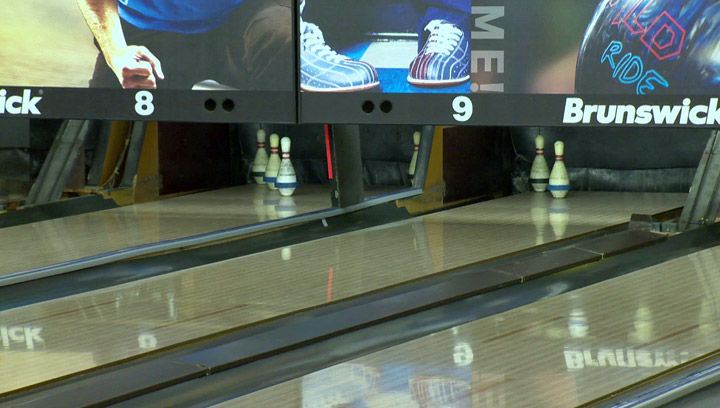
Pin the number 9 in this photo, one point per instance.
(463, 107)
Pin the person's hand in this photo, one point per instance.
(136, 67)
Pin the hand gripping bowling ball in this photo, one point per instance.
(651, 47)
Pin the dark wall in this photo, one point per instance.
(616, 159)
(600, 159)
(14, 133)
(22, 150)
(196, 156)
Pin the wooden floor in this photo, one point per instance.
(64, 336)
(36, 53)
(556, 353)
(40, 244)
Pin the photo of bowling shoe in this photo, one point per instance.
(324, 70)
(444, 58)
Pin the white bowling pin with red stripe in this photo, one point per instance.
(539, 172)
(273, 165)
(261, 158)
(559, 181)
(286, 181)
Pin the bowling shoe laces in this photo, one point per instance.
(444, 59)
(324, 70)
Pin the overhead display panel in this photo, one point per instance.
(168, 60)
(516, 62)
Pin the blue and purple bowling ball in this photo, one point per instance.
(651, 47)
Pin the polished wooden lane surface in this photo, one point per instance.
(128, 320)
(30, 246)
(556, 353)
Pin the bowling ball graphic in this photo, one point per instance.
(651, 47)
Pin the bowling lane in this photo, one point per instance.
(54, 242)
(100, 327)
(559, 352)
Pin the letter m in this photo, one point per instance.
(487, 14)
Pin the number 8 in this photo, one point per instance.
(144, 105)
(463, 107)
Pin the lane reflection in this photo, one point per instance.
(112, 324)
(559, 352)
(358, 385)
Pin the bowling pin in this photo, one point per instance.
(559, 184)
(539, 172)
(261, 158)
(413, 161)
(286, 179)
(273, 165)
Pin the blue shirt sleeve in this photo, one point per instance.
(182, 16)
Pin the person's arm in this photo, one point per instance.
(135, 66)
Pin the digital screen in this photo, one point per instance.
(179, 60)
(474, 62)
(519, 62)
